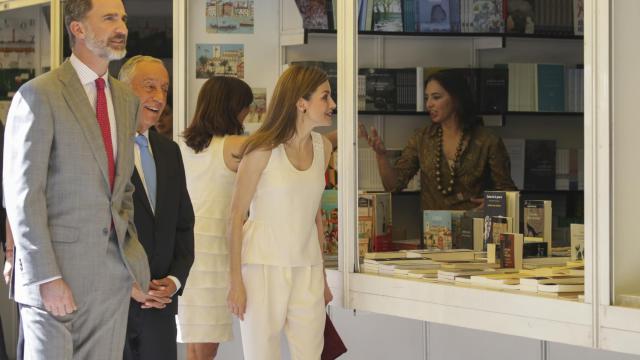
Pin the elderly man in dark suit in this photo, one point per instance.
(163, 216)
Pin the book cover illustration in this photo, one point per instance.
(487, 16)
(433, 16)
(387, 15)
(329, 211)
(314, 14)
(495, 204)
(578, 17)
(577, 241)
(439, 226)
(510, 250)
(219, 60)
(225, 16)
(380, 89)
(258, 108)
(534, 218)
(499, 225)
(521, 18)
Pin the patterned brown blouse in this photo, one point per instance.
(484, 165)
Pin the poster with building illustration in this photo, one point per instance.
(258, 108)
(226, 16)
(219, 60)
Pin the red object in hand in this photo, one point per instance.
(333, 345)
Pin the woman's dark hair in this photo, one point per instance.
(220, 101)
(455, 83)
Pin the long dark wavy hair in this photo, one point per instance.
(464, 104)
(220, 101)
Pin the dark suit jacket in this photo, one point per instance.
(3, 213)
(167, 236)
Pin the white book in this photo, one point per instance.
(577, 241)
(419, 88)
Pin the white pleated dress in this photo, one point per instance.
(203, 316)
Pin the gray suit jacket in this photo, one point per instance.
(57, 191)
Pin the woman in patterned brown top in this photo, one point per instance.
(457, 157)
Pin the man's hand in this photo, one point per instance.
(162, 288)
(8, 265)
(148, 301)
(57, 297)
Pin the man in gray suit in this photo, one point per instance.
(68, 165)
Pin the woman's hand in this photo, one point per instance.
(237, 299)
(479, 201)
(328, 296)
(374, 141)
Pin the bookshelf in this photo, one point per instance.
(506, 114)
(503, 36)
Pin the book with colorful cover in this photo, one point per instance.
(329, 211)
(439, 228)
(511, 250)
(433, 16)
(487, 16)
(387, 15)
(521, 17)
(537, 220)
(314, 13)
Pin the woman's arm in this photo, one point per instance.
(249, 172)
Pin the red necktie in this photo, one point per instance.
(102, 114)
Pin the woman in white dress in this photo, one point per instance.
(208, 146)
(277, 273)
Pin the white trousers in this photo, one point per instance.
(282, 297)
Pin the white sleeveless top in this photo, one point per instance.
(281, 229)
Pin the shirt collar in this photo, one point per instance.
(145, 134)
(85, 73)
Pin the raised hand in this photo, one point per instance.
(374, 141)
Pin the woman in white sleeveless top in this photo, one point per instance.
(207, 147)
(277, 274)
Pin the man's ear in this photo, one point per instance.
(77, 29)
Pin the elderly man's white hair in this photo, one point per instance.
(128, 69)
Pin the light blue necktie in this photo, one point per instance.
(148, 168)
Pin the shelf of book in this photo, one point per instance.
(503, 36)
(509, 113)
(496, 311)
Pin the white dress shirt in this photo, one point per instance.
(88, 81)
(138, 162)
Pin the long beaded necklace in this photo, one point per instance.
(438, 162)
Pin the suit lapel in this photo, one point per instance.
(121, 113)
(76, 98)
(140, 193)
(161, 170)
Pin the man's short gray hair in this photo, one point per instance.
(128, 68)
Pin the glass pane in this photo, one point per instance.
(474, 157)
(24, 49)
(625, 244)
